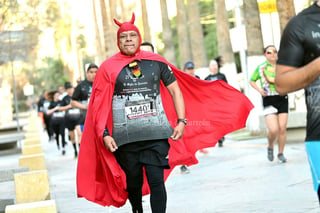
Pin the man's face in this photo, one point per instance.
(91, 73)
(61, 89)
(129, 42)
(189, 71)
(70, 91)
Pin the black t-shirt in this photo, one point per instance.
(57, 115)
(73, 113)
(300, 44)
(82, 92)
(40, 104)
(66, 100)
(218, 76)
(138, 114)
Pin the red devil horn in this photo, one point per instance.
(132, 18)
(117, 22)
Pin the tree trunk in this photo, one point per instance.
(146, 27)
(183, 35)
(169, 52)
(254, 58)
(100, 53)
(253, 27)
(105, 26)
(196, 35)
(111, 32)
(224, 44)
(286, 11)
(223, 36)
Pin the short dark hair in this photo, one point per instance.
(219, 60)
(92, 66)
(146, 43)
(67, 85)
(271, 45)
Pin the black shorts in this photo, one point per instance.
(71, 123)
(153, 152)
(281, 103)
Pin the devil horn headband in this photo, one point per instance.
(131, 21)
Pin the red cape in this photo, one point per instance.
(213, 109)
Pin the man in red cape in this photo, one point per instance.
(213, 109)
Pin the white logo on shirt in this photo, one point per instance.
(315, 34)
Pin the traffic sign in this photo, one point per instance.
(268, 6)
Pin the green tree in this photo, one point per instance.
(196, 34)
(49, 77)
(183, 34)
(145, 21)
(253, 27)
(7, 10)
(208, 26)
(169, 51)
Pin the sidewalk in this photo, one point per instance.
(236, 178)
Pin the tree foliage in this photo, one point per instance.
(48, 77)
(7, 10)
(209, 31)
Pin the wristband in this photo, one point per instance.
(105, 133)
(183, 120)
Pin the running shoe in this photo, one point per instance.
(184, 169)
(270, 154)
(281, 158)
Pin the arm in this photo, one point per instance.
(79, 105)
(289, 79)
(178, 102)
(64, 108)
(77, 97)
(255, 86)
(50, 111)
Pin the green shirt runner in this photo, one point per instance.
(262, 72)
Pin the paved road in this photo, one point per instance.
(236, 178)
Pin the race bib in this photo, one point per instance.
(58, 114)
(74, 111)
(140, 110)
(85, 102)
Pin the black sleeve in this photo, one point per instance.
(77, 93)
(66, 100)
(40, 104)
(291, 51)
(52, 105)
(167, 75)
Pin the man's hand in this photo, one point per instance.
(178, 131)
(110, 144)
(263, 92)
